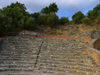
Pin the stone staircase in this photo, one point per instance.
(45, 56)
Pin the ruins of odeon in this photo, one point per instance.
(26, 54)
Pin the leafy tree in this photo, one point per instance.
(5, 23)
(77, 17)
(45, 10)
(63, 20)
(52, 8)
(1, 11)
(49, 19)
(16, 11)
(22, 22)
(30, 24)
(90, 15)
(42, 19)
(52, 19)
(96, 11)
(35, 16)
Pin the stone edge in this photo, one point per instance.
(92, 52)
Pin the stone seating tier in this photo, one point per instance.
(28, 55)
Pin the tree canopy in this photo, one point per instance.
(63, 20)
(77, 17)
(5, 23)
(16, 11)
(35, 16)
(96, 11)
(90, 15)
(52, 8)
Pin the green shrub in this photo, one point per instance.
(86, 21)
(77, 17)
(96, 11)
(42, 19)
(5, 24)
(63, 20)
(97, 21)
(91, 15)
(52, 19)
(30, 24)
(49, 19)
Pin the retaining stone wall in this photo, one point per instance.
(96, 44)
(93, 51)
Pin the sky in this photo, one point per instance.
(66, 7)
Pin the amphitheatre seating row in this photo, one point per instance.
(50, 57)
(92, 49)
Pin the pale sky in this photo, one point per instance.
(66, 7)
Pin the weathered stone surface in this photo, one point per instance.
(95, 34)
(45, 56)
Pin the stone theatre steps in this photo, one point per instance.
(65, 57)
(18, 55)
(45, 56)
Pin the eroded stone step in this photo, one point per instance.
(19, 50)
(69, 63)
(52, 72)
(64, 57)
(1, 54)
(20, 56)
(17, 58)
(64, 60)
(73, 71)
(16, 69)
(16, 65)
(18, 62)
(24, 73)
(88, 69)
(60, 53)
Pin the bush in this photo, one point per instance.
(42, 19)
(77, 17)
(30, 24)
(96, 11)
(91, 15)
(86, 21)
(49, 19)
(52, 19)
(63, 20)
(97, 21)
(5, 24)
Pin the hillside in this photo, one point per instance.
(80, 30)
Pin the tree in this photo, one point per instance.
(77, 17)
(35, 16)
(96, 11)
(5, 23)
(63, 20)
(30, 24)
(42, 19)
(52, 8)
(86, 21)
(52, 19)
(16, 11)
(45, 10)
(90, 15)
(1, 11)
